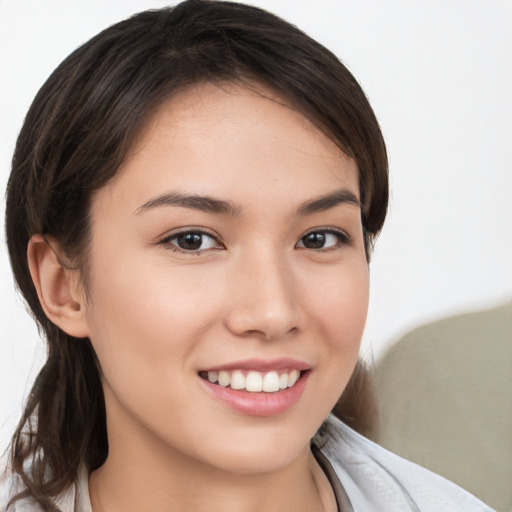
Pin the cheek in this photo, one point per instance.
(337, 308)
(340, 307)
(147, 293)
(143, 329)
(151, 317)
(339, 311)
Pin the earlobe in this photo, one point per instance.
(55, 286)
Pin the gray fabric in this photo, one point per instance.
(445, 392)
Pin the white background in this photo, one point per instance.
(439, 76)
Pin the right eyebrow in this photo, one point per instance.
(328, 201)
(196, 202)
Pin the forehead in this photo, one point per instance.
(228, 140)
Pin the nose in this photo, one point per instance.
(264, 302)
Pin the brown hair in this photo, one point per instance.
(77, 133)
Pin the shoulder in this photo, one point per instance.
(10, 485)
(73, 499)
(373, 477)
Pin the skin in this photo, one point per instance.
(157, 315)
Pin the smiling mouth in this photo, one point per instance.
(253, 381)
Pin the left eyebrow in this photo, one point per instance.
(328, 201)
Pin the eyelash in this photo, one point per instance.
(342, 240)
(168, 241)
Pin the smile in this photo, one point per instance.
(253, 381)
(257, 387)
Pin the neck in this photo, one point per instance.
(134, 480)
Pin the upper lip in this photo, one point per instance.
(261, 365)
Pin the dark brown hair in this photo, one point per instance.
(77, 133)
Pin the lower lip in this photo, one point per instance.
(259, 404)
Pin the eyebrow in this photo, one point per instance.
(328, 201)
(221, 207)
(202, 203)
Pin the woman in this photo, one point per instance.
(192, 205)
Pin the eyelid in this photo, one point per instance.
(327, 229)
(166, 239)
(343, 237)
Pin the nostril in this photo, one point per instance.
(264, 313)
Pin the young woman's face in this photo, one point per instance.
(228, 248)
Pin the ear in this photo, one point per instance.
(57, 287)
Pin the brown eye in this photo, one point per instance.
(189, 241)
(192, 241)
(314, 240)
(322, 240)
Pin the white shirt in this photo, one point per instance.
(365, 478)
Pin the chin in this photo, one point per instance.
(258, 459)
(266, 447)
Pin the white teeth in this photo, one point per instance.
(255, 382)
(224, 379)
(238, 380)
(293, 377)
(271, 382)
